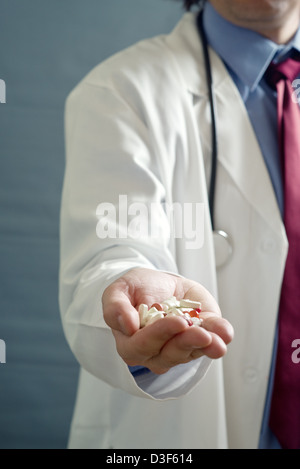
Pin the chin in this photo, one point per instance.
(260, 10)
(278, 20)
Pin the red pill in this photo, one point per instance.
(194, 313)
(189, 321)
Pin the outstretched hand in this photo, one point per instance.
(170, 341)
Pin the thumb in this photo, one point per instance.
(118, 311)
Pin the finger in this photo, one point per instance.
(148, 341)
(183, 348)
(218, 326)
(119, 314)
(217, 348)
(188, 346)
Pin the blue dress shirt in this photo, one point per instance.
(247, 56)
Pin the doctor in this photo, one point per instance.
(138, 140)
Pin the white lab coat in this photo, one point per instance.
(139, 125)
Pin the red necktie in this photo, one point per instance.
(285, 407)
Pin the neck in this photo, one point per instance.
(276, 20)
(280, 34)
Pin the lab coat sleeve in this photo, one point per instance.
(112, 173)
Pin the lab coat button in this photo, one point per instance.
(268, 245)
(250, 375)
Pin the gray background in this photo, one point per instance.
(46, 47)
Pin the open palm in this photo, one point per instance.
(170, 341)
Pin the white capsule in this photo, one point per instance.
(187, 316)
(197, 321)
(143, 312)
(153, 317)
(174, 312)
(171, 302)
(190, 304)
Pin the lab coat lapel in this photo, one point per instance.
(239, 151)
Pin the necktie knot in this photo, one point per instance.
(289, 70)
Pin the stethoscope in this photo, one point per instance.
(222, 241)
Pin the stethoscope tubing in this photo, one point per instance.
(222, 243)
(214, 139)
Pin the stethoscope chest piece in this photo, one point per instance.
(223, 248)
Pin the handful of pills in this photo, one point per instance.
(187, 309)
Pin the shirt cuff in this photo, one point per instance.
(138, 370)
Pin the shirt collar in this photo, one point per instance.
(246, 53)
